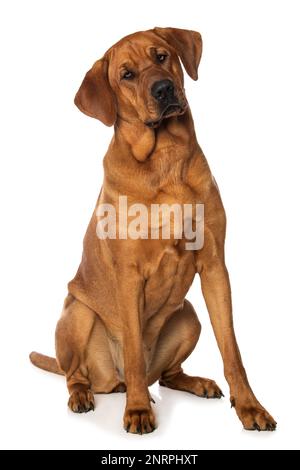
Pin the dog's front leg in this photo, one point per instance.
(138, 416)
(216, 291)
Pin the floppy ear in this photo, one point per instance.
(95, 96)
(187, 44)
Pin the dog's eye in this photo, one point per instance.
(127, 75)
(161, 58)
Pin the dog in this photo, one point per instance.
(126, 322)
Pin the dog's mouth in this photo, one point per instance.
(173, 109)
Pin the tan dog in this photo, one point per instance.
(126, 322)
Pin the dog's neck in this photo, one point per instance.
(143, 141)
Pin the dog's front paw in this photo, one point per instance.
(254, 417)
(139, 421)
(81, 401)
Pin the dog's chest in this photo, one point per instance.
(169, 277)
(171, 269)
(168, 167)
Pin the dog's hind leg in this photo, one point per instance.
(87, 367)
(177, 340)
(71, 339)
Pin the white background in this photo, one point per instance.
(246, 106)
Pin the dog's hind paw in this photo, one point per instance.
(81, 401)
(199, 386)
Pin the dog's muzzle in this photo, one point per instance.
(163, 92)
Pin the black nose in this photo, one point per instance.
(162, 90)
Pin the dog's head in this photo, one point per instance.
(141, 78)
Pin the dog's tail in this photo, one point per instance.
(45, 363)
